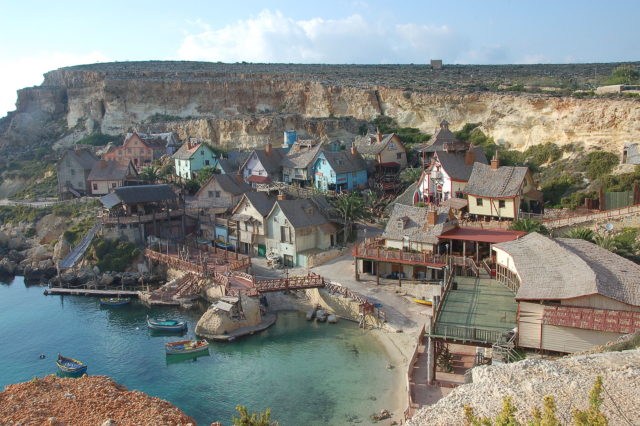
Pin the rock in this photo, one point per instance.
(106, 280)
(38, 253)
(7, 267)
(4, 239)
(96, 270)
(109, 422)
(61, 249)
(17, 243)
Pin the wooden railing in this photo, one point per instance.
(412, 406)
(467, 334)
(175, 262)
(486, 267)
(294, 191)
(345, 292)
(588, 217)
(366, 250)
(467, 263)
(112, 220)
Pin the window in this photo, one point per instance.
(129, 150)
(392, 146)
(210, 193)
(201, 152)
(206, 162)
(501, 204)
(353, 174)
(141, 150)
(478, 201)
(399, 156)
(73, 172)
(95, 186)
(284, 234)
(113, 185)
(217, 194)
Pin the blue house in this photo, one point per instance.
(340, 171)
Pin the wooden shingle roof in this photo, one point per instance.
(503, 182)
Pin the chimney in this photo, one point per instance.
(432, 217)
(354, 150)
(378, 135)
(282, 196)
(495, 162)
(469, 157)
(267, 149)
(239, 179)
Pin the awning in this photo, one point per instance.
(481, 235)
(259, 179)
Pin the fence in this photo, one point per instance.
(370, 249)
(411, 406)
(469, 334)
(617, 200)
(588, 217)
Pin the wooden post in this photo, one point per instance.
(377, 265)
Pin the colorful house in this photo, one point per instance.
(108, 175)
(250, 216)
(297, 229)
(192, 157)
(383, 151)
(263, 165)
(297, 164)
(141, 149)
(224, 191)
(73, 171)
(340, 171)
(502, 192)
(442, 140)
(448, 173)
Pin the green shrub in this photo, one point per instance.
(599, 163)
(112, 255)
(99, 139)
(18, 214)
(554, 190)
(576, 199)
(624, 74)
(408, 135)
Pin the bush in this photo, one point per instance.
(112, 255)
(554, 190)
(599, 163)
(576, 199)
(18, 214)
(408, 135)
(624, 74)
(99, 139)
(74, 234)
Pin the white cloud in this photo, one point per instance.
(27, 71)
(273, 37)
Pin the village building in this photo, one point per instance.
(136, 212)
(73, 171)
(631, 153)
(141, 149)
(448, 173)
(571, 294)
(386, 155)
(502, 192)
(298, 162)
(443, 137)
(340, 171)
(297, 229)
(107, 175)
(232, 163)
(250, 216)
(192, 157)
(223, 191)
(263, 165)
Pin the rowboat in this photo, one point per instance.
(186, 347)
(162, 324)
(70, 365)
(115, 301)
(423, 302)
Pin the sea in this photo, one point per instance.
(307, 373)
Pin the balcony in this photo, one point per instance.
(373, 250)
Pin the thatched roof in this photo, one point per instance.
(566, 268)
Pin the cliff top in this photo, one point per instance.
(410, 76)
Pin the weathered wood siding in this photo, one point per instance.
(570, 340)
(529, 324)
(600, 302)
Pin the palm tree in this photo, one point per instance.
(581, 234)
(351, 208)
(528, 225)
(149, 174)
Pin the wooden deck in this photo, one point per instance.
(89, 292)
(372, 249)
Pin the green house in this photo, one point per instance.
(192, 157)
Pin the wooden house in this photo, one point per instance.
(141, 149)
(73, 171)
(384, 152)
(502, 191)
(340, 171)
(263, 165)
(223, 191)
(107, 175)
(192, 157)
(297, 163)
(572, 294)
(250, 216)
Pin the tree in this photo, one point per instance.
(167, 171)
(581, 234)
(624, 74)
(411, 175)
(351, 208)
(253, 419)
(150, 174)
(204, 175)
(528, 225)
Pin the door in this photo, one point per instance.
(288, 261)
(262, 250)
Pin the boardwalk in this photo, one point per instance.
(89, 292)
(77, 252)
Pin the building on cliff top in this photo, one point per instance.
(107, 175)
(572, 294)
(73, 171)
(141, 149)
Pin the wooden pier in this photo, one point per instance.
(89, 292)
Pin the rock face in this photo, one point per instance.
(246, 105)
(94, 400)
(215, 322)
(568, 380)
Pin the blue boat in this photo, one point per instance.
(162, 324)
(115, 301)
(186, 347)
(225, 246)
(70, 365)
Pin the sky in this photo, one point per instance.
(39, 36)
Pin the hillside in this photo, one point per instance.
(247, 105)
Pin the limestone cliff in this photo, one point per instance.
(246, 105)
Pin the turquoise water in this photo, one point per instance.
(307, 373)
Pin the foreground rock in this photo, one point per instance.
(568, 380)
(90, 400)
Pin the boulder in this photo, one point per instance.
(4, 239)
(7, 267)
(61, 249)
(106, 280)
(38, 253)
(17, 243)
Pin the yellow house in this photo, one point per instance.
(502, 192)
(384, 150)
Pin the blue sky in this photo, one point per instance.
(37, 36)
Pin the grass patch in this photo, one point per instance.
(18, 214)
(99, 139)
(75, 233)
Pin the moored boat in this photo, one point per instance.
(423, 302)
(332, 319)
(115, 301)
(70, 365)
(163, 324)
(186, 347)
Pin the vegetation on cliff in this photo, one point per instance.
(112, 255)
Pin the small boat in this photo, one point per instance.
(186, 347)
(163, 324)
(321, 315)
(423, 302)
(115, 301)
(332, 319)
(70, 365)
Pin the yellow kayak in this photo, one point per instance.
(423, 302)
